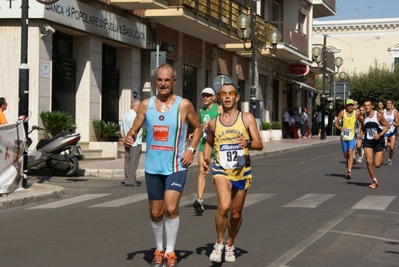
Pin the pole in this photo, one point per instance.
(323, 97)
(253, 51)
(23, 105)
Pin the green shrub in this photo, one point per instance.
(276, 125)
(106, 129)
(56, 121)
(266, 126)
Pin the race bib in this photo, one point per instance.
(231, 156)
(370, 133)
(345, 134)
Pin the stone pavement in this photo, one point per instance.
(114, 169)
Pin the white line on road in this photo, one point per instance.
(254, 198)
(366, 236)
(309, 201)
(69, 201)
(374, 203)
(295, 251)
(122, 201)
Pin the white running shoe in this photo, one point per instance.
(390, 162)
(359, 159)
(229, 255)
(216, 255)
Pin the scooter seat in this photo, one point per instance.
(44, 142)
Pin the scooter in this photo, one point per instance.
(60, 154)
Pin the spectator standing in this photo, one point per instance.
(132, 153)
(232, 133)
(319, 117)
(303, 122)
(209, 111)
(3, 107)
(166, 117)
(286, 122)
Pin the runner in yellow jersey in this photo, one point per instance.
(348, 133)
(232, 134)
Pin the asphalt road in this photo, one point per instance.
(300, 211)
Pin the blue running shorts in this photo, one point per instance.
(157, 184)
(346, 145)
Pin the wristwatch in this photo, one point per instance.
(192, 150)
(249, 143)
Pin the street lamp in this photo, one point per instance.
(320, 56)
(247, 33)
(23, 76)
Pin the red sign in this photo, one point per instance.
(298, 69)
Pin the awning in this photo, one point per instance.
(303, 86)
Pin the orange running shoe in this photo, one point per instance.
(374, 184)
(159, 259)
(171, 260)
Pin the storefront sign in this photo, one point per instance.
(81, 16)
(298, 69)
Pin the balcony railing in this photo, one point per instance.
(222, 12)
(290, 36)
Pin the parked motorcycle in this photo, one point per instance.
(60, 155)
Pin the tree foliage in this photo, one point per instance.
(378, 84)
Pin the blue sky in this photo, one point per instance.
(364, 9)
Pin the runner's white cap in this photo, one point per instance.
(208, 90)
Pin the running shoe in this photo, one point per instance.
(229, 255)
(199, 205)
(348, 175)
(359, 159)
(374, 184)
(216, 255)
(171, 260)
(159, 259)
(354, 160)
(390, 162)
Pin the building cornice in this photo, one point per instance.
(335, 25)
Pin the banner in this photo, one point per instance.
(12, 145)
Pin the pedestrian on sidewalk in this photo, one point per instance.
(232, 134)
(286, 122)
(348, 133)
(209, 111)
(3, 107)
(166, 117)
(374, 126)
(133, 152)
(303, 122)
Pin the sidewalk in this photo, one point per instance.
(114, 169)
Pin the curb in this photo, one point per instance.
(120, 173)
(35, 192)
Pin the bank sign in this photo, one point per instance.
(81, 16)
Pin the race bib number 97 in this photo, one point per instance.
(231, 156)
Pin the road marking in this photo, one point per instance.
(367, 236)
(254, 198)
(309, 201)
(122, 201)
(374, 203)
(298, 249)
(69, 201)
(189, 199)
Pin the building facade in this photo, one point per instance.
(91, 58)
(361, 43)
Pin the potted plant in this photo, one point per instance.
(56, 121)
(277, 132)
(106, 129)
(265, 132)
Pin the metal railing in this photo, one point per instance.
(290, 36)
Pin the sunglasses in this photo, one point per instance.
(206, 95)
(224, 94)
(349, 104)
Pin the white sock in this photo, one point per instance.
(157, 230)
(171, 229)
